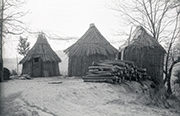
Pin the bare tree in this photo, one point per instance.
(10, 22)
(160, 18)
(154, 15)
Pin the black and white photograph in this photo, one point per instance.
(89, 57)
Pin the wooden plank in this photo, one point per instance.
(118, 62)
(98, 80)
(100, 67)
(100, 72)
(99, 77)
(93, 70)
(141, 70)
(101, 64)
(114, 62)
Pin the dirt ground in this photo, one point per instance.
(73, 97)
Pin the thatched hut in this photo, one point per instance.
(92, 46)
(146, 52)
(41, 60)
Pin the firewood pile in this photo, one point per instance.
(115, 71)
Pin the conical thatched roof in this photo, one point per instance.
(140, 38)
(41, 49)
(92, 42)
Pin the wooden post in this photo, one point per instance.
(128, 42)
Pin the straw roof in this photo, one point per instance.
(92, 42)
(140, 38)
(41, 49)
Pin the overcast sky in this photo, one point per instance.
(67, 18)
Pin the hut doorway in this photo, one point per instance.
(36, 67)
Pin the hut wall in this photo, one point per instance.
(155, 63)
(55, 68)
(46, 72)
(50, 69)
(78, 66)
(150, 58)
(27, 68)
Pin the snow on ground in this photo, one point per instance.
(73, 97)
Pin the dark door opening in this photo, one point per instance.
(36, 67)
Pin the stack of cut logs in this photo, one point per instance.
(115, 71)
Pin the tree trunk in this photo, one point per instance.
(1, 70)
(1, 37)
(169, 90)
